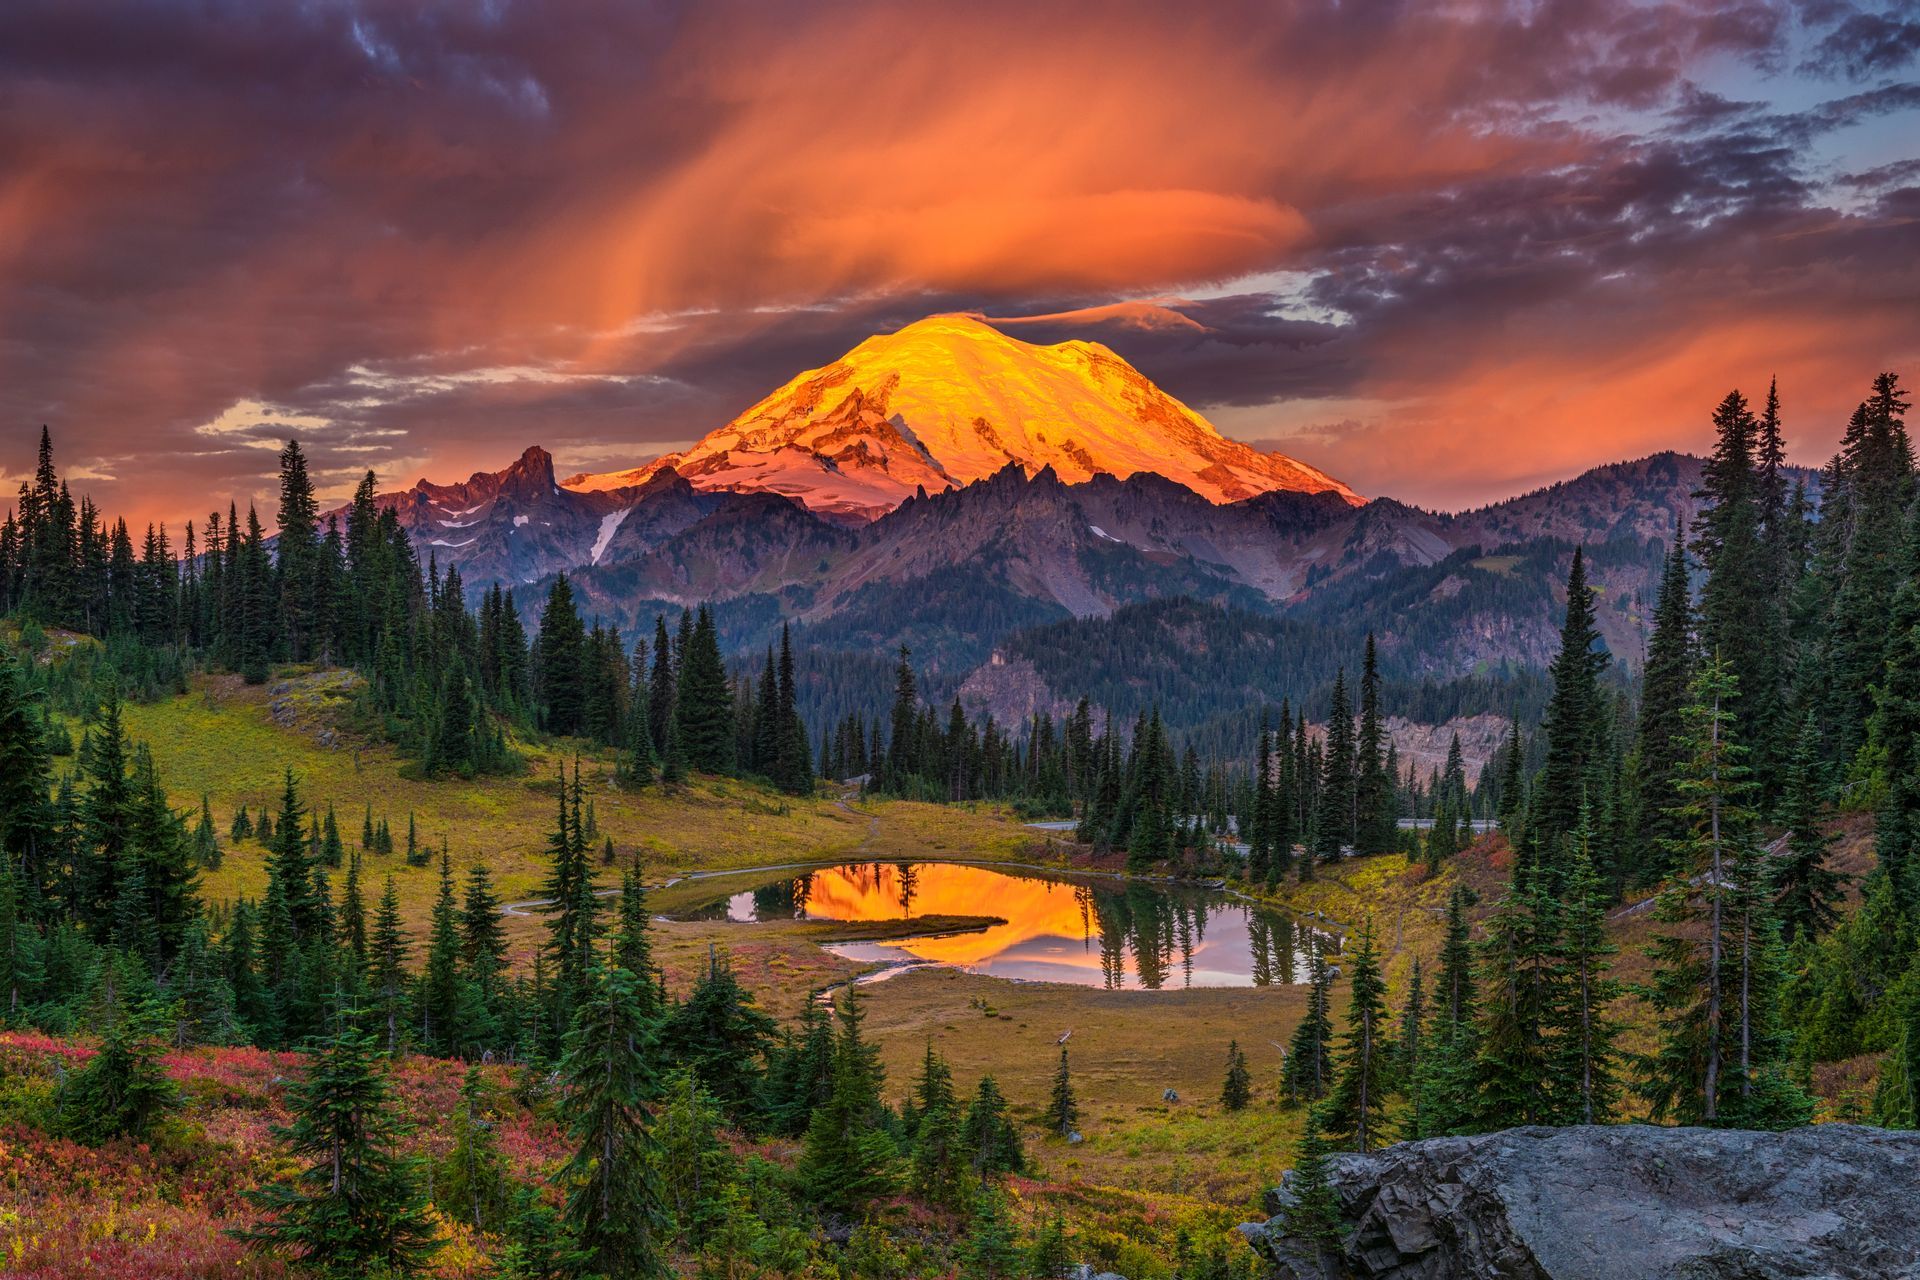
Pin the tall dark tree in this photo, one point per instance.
(1575, 718)
(356, 1206)
(613, 1205)
(1334, 819)
(560, 662)
(1663, 696)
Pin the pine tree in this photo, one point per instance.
(1063, 1109)
(1306, 1074)
(356, 1206)
(1333, 821)
(1238, 1089)
(1355, 1110)
(1313, 1212)
(1573, 720)
(613, 1205)
(472, 1179)
(1808, 892)
(848, 1157)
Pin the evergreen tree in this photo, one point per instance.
(440, 1027)
(1313, 1212)
(988, 1136)
(848, 1157)
(1587, 1057)
(1305, 1076)
(356, 1206)
(1808, 892)
(1574, 719)
(1238, 1089)
(1375, 828)
(613, 1206)
(1063, 1109)
(387, 980)
(991, 1251)
(472, 1180)
(1716, 974)
(123, 1090)
(704, 701)
(1663, 697)
(722, 1035)
(560, 662)
(1355, 1110)
(1334, 817)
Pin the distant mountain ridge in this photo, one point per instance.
(959, 491)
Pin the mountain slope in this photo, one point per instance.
(949, 400)
(518, 525)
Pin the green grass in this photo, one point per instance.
(1502, 565)
(223, 739)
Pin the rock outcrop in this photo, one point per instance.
(1627, 1202)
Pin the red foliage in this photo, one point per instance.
(160, 1211)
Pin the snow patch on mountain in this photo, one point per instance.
(609, 523)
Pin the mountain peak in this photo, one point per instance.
(949, 400)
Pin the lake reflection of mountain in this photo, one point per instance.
(1108, 933)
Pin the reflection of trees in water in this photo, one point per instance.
(1271, 940)
(909, 886)
(781, 900)
(1158, 929)
(1147, 934)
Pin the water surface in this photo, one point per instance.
(1117, 934)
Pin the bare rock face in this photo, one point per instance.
(1627, 1202)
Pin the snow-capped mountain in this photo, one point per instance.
(950, 400)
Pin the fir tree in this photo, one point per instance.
(987, 1134)
(1663, 697)
(1312, 1212)
(1238, 1089)
(1355, 1110)
(720, 1032)
(848, 1157)
(1574, 717)
(613, 1207)
(1063, 1109)
(472, 1179)
(387, 980)
(1808, 892)
(123, 1090)
(1305, 1076)
(356, 1206)
(1334, 816)
(991, 1251)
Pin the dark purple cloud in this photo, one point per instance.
(426, 234)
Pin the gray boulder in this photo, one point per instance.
(1625, 1202)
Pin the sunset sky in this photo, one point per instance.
(1444, 252)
